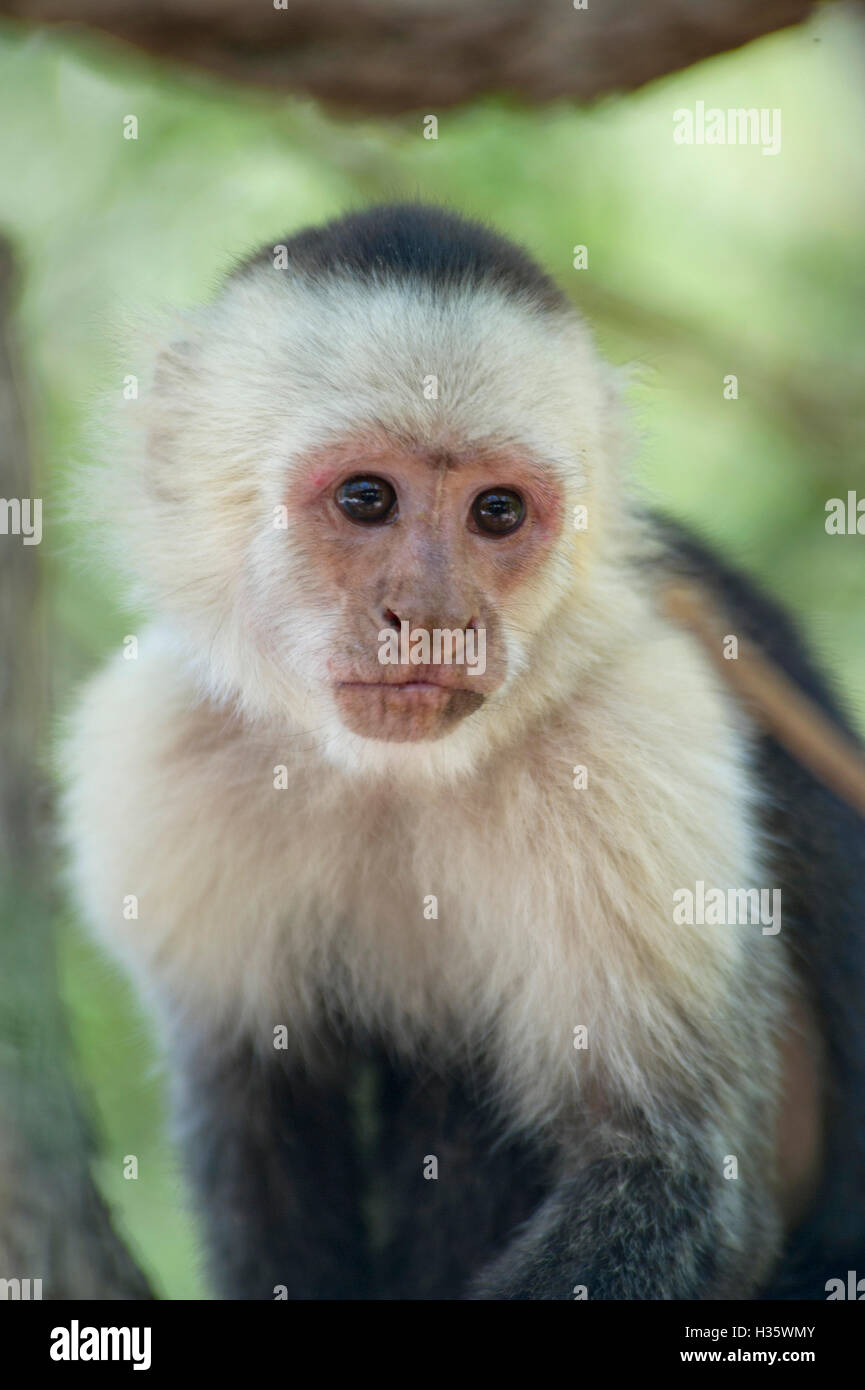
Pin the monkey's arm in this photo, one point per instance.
(272, 1158)
(657, 1220)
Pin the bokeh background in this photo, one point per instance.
(702, 261)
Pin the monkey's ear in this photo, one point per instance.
(175, 375)
(175, 356)
(174, 363)
(617, 425)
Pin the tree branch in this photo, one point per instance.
(391, 56)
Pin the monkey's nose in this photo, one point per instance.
(428, 623)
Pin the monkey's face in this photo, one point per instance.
(417, 553)
(394, 573)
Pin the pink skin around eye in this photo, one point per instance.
(319, 478)
(331, 464)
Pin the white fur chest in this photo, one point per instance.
(503, 913)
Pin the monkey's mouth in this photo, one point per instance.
(405, 711)
(420, 684)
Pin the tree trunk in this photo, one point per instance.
(54, 1226)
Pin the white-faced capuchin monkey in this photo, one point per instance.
(497, 953)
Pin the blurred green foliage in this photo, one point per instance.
(703, 261)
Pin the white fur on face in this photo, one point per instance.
(278, 367)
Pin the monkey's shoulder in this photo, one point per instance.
(145, 723)
(168, 797)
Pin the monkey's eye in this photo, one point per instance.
(498, 512)
(367, 500)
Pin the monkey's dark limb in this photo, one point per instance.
(443, 1223)
(272, 1155)
(652, 1225)
(54, 1226)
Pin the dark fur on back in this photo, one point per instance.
(819, 862)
